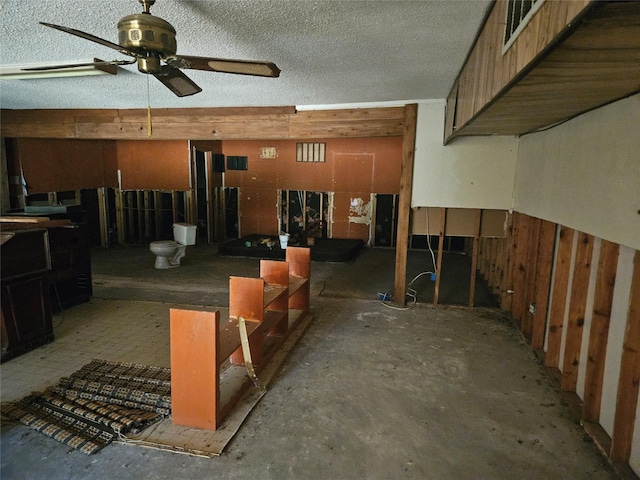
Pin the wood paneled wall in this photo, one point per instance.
(560, 288)
(353, 169)
(487, 70)
(56, 165)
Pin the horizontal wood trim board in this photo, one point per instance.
(203, 124)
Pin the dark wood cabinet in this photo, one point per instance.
(26, 311)
(42, 269)
(70, 276)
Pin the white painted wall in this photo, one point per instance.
(470, 172)
(585, 173)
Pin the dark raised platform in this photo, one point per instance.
(324, 250)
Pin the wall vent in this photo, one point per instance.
(311, 152)
(519, 12)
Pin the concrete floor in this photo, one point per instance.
(369, 392)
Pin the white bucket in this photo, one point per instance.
(284, 240)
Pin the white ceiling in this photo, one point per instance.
(330, 52)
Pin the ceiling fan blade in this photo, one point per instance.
(93, 38)
(99, 64)
(224, 65)
(176, 81)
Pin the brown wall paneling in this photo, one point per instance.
(368, 156)
(560, 289)
(350, 175)
(258, 211)
(352, 172)
(629, 380)
(577, 310)
(599, 332)
(387, 164)
(154, 165)
(56, 165)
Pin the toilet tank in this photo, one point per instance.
(184, 234)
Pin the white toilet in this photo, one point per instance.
(169, 252)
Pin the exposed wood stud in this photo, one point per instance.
(599, 332)
(443, 226)
(474, 256)
(577, 310)
(559, 294)
(506, 286)
(629, 380)
(546, 245)
(103, 213)
(119, 217)
(157, 208)
(531, 259)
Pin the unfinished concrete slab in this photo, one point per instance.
(368, 391)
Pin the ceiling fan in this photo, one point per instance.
(152, 42)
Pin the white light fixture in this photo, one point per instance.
(74, 69)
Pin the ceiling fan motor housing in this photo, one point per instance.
(146, 33)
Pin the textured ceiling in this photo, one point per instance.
(330, 52)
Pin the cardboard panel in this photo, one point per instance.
(460, 222)
(423, 217)
(494, 223)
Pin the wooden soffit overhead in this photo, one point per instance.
(595, 60)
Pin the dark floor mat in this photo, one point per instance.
(268, 246)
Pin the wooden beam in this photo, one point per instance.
(205, 124)
(629, 380)
(559, 296)
(577, 310)
(404, 202)
(599, 332)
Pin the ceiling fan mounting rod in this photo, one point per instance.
(146, 5)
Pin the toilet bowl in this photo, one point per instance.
(169, 252)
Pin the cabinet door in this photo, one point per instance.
(26, 314)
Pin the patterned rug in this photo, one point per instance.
(97, 404)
